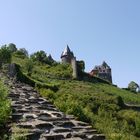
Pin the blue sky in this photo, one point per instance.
(95, 30)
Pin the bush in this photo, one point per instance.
(47, 93)
(137, 126)
(4, 104)
(5, 55)
(29, 67)
(5, 109)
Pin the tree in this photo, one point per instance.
(40, 56)
(80, 68)
(81, 65)
(50, 58)
(12, 47)
(5, 55)
(22, 52)
(133, 86)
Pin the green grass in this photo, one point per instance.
(19, 133)
(5, 109)
(100, 105)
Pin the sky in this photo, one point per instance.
(95, 30)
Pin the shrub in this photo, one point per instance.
(4, 104)
(5, 110)
(137, 127)
(5, 55)
(29, 66)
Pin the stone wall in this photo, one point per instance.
(74, 67)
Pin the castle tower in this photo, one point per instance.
(67, 55)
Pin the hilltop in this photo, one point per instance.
(91, 99)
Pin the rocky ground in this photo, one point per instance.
(36, 118)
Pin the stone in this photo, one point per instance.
(53, 137)
(79, 134)
(44, 115)
(61, 130)
(44, 125)
(96, 137)
(21, 110)
(90, 131)
(25, 125)
(33, 136)
(74, 138)
(16, 116)
(65, 124)
(12, 70)
(56, 114)
(29, 116)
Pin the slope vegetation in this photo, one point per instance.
(102, 105)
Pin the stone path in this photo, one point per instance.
(38, 119)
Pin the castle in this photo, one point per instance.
(67, 56)
(102, 71)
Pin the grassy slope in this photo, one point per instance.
(100, 105)
(97, 103)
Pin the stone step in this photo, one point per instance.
(43, 120)
(61, 130)
(45, 126)
(33, 136)
(25, 125)
(29, 116)
(65, 124)
(74, 138)
(52, 119)
(84, 129)
(13, 95)
(47, 108)
(96, 137)
(16, 116)
(52, 137)
(90, 132)
(79, 134)
(23, 110)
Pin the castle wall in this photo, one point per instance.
(102, 73)
(66, 59)
(74, 67)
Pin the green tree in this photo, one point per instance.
(12, 47)
(22, 53)
(133, 86)
(5, 55)
(81, 65)
(40, 56)
(80, 68)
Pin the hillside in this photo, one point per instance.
(93, 101)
